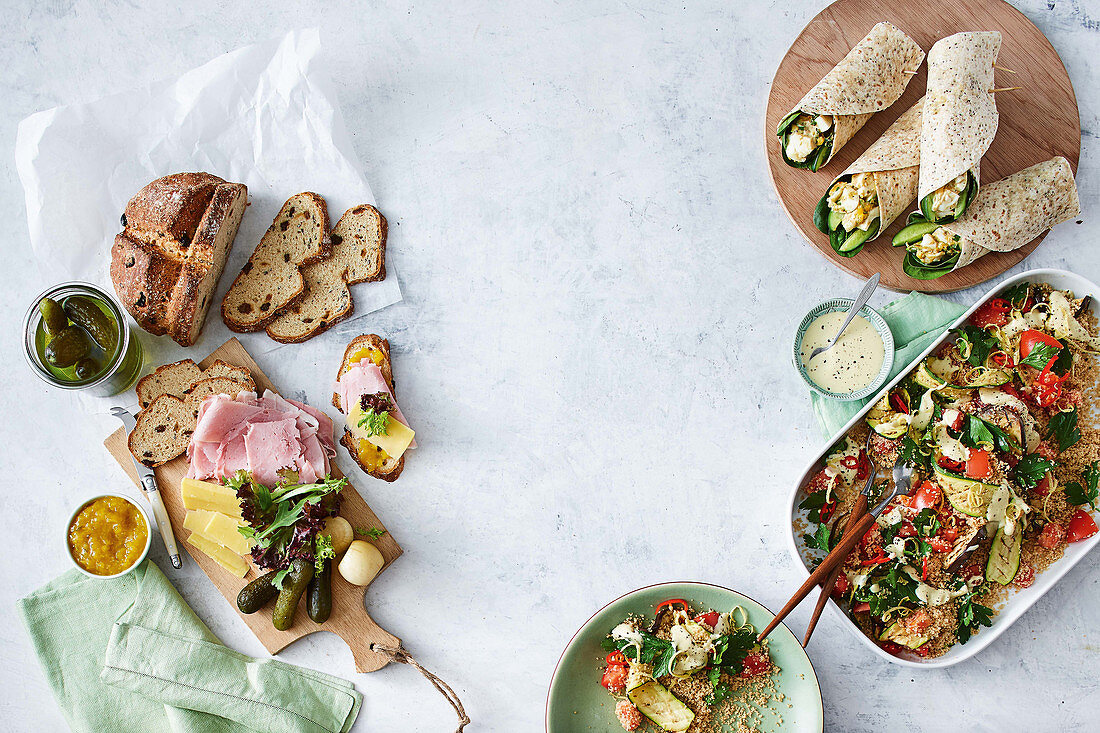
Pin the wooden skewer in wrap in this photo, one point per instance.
(403, 657)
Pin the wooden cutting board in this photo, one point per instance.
(349, 620)
(1036, 123)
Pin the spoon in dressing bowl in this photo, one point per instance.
(860, 301)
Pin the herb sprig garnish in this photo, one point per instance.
(1063, 428)
(1088, 493)
(375, 417)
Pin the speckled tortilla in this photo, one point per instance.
(960, 114)
(870, 78)
(1009, 213)
(895, 160)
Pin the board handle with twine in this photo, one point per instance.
(399, 655)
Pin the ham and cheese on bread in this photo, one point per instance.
(261, 435)
(376, 433)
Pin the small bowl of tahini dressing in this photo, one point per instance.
(858, 364)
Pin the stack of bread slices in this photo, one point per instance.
(295, 284)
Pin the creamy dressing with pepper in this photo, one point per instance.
(855, 360)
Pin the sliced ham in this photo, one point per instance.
(271, 446)
(364, 378)
(219, 415)
(260, 434)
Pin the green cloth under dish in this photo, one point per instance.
(915, 320)
(130, 655)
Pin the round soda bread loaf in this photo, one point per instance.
(166, 261)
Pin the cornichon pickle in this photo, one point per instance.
(319, 594)
(68, 347)
(256, 594)
(53, 316)
(294, 585)
(86, 368)
(83, 311)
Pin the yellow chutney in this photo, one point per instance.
(107, 536)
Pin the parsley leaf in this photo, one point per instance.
(982, 343)
(1090, 492)
(1040, 355)
(819, 540)
(912, 454)
(972, 615)
(927, 522)
(1017, 295)
(977, 433)
(1031, 469)
(655, 651)
(1063, 428)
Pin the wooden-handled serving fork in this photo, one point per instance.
(853, 533)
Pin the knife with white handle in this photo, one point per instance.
(148, 480)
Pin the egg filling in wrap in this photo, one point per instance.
(874, 190)
(870, 78)
(958, 123)
(1005, 215)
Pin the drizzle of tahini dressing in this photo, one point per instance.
(855, 360)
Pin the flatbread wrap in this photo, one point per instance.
(959, 122)
(1005, 215)
(870, 78)
(874, 190)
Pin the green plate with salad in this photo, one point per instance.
(683, 657)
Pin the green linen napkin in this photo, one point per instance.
(130, 655)
(915, 320)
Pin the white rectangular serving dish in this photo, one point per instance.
(1020, 600)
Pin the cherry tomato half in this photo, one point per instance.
(928, 495)
(1028, 340)
(614, 677)
(1052, 534)
(1081, 526)
(993, 313)
(977, 466)
(710, 618)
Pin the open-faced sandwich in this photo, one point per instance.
(376, 434)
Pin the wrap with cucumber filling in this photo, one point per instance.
(959, 122)
(1005, 215)
(875, 189)
(870, 78)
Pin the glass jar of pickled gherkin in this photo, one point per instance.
(75, 336)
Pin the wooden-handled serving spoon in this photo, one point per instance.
(902, 477)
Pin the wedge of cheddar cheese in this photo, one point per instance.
(211, 497)
(229, 560)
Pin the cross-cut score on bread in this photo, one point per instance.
(164, 428)
(272, 278)
(358, 256)
(178, 377)
(376, 434)
(165, 264)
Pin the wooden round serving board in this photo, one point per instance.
(1037, 122)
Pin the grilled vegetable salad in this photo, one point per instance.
(657, 670)
(1006, 476)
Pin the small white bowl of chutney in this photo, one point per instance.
(858, 364)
